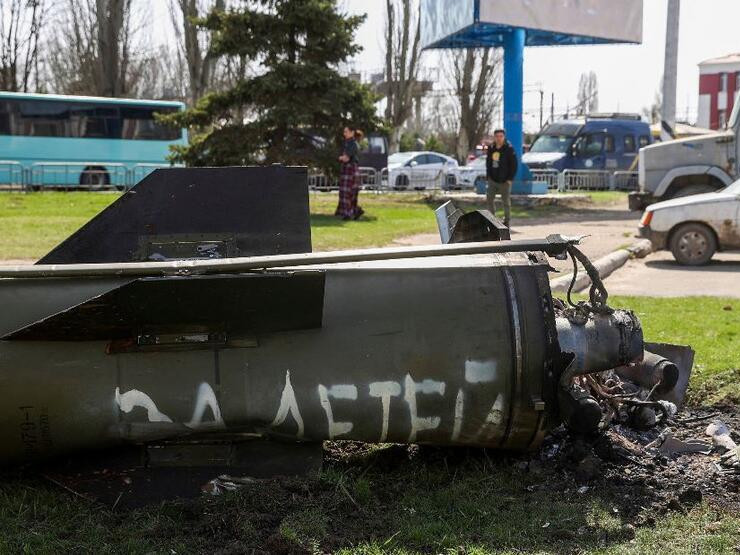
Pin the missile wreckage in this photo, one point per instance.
(193, 307)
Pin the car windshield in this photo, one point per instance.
(552, 143)
(400, 157)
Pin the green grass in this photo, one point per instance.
(32, 224)
(438, 501)
(711, 325)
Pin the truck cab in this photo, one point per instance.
(689, 166)
(607, 142)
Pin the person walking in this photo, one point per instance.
(349, 176)
(501, 165)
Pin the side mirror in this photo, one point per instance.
(413, 163)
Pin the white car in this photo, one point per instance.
(472, 172)
(696, 226)
(419, 170)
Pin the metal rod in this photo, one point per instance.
(552, 245)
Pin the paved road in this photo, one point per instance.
(607, 230)
(610, 229)
(659, 275)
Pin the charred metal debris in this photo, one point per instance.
(191, 318)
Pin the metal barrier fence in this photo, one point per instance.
(95, 175)
(597, 180)
(589, 180)
(625, 181)
(548, 176)
(140, 171)
(73, 175)
(11, 174)
(100, 175)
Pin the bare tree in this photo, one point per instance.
(401, 64)
(92, 49)
(194, 44)
(588, 94)
(476, 79)
(21, 24)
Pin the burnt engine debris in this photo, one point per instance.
(191, 333)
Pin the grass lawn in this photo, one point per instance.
(378, 499)
(32, 224)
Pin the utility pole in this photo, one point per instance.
(542, 101)
(670, 71)
(552, 108)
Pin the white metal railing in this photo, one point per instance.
(78, 174)
(11, 174)
(140, 171)
(589, 180)
(625, 181)
(548, 176)
(108, 174)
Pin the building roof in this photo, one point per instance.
(726, 59)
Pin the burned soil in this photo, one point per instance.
(573, 494)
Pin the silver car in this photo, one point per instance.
(419, 170)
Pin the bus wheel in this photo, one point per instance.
(94, 177)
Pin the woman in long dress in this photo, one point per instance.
(349, 176)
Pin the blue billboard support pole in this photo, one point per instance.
(513, 100)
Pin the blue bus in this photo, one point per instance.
(51, 140)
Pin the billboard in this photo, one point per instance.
(442, 18)
(619, 21)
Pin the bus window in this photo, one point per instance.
(139, 123)
(629, 143)
(40, 119)
(83, 120)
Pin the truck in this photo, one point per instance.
(605, 141)
(689, 166)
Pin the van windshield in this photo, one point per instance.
(552, 143)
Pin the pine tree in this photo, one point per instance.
(292, 109)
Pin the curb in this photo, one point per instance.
(605, 266)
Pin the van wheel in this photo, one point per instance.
(94, 177)
(693, 244)
(691, 190)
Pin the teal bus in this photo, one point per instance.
(49, 140)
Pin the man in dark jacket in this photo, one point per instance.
(501, 164)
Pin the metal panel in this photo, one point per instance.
(451, 24)
(599, 19)
(149, 307)
(246, 211)
(441, 18)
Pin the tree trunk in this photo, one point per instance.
(401, 66)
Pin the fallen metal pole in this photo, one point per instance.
(553, 245)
